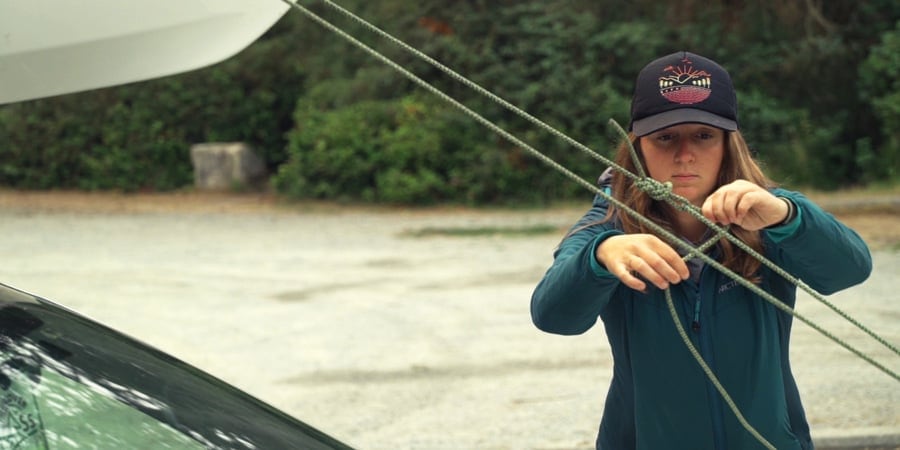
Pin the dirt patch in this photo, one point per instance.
(109, 202)
(880, 231)
(337, 315)
(874, 215)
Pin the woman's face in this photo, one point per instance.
(689, 155)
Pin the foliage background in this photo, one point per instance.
(818, 82)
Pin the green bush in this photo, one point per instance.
(138, 136)
(405, 151)
(419, 150)
(787, 140)
(879, 155)
(818, 100)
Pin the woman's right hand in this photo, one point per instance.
(628, 255)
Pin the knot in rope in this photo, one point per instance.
(655, 189)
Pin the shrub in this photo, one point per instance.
(879, 155)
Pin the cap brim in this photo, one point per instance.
(678, 116)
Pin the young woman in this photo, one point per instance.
(684, 128)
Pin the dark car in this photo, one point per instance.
(69, 382)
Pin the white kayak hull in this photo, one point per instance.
(53, 47)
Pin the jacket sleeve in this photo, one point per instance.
(576, 287)
(820, 250)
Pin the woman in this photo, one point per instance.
(684, 128)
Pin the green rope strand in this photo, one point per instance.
(644, 182)
(474, 86)
(650, 186)
(712, 376)
(649, 183)
(425, 85)
(684, 205)
(680, 201)
(693, 252)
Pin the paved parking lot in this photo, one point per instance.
(386, 333)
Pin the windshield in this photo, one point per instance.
(66, 380)
(44, 409)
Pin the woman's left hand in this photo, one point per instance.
(746, 205)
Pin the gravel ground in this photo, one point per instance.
(395, 328)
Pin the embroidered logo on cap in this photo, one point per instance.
(685, 85)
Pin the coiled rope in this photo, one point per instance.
(657, 190)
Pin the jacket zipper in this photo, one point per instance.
(705, 344)
(695, 325)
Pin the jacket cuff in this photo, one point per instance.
(785, 230)
(598, 269)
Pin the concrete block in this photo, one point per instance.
(226, 165)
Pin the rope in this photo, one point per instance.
(679, 203)
(641, 181)
(712, 377)
(694, 252)
(683, 204)
(452, 74)
(655, 189)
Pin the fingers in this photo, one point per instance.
(726, 206)
(744, 204)
(639, 258)
(657, 270)
(625, 274)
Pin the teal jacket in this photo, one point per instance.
(659, 397)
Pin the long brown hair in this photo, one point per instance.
(737, 163)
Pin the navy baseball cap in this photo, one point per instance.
(682, 88)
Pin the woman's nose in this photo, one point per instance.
(684, 153)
